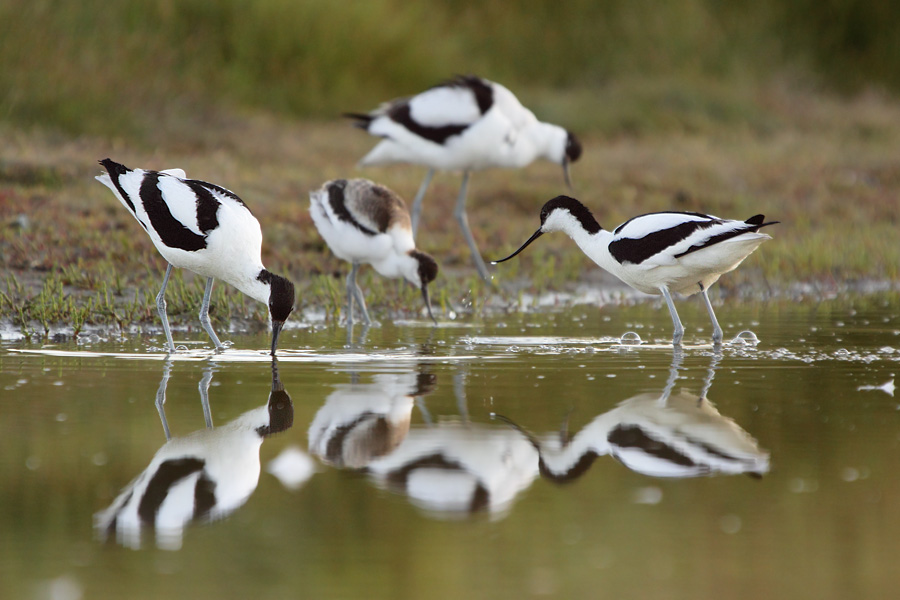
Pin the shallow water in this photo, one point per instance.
(507, 457)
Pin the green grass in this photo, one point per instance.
(145, 69)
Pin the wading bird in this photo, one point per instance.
(363, 222)
(658, 253)
(203, 228)
(465, 124)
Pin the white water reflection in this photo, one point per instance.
(202, 476)
(662, 434)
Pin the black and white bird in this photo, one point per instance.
(658, 253)
(363, 222)
(203, 228)
(464, 124)
(200, 477)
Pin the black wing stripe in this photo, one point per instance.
(207, 205)
(401, 114)
(169, 473)
(637, 250)
(632, 436)
(170, 230)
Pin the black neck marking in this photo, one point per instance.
(575, 208)
(338, 200)
(580, 467)
(168, 474)
(170, 230)
(637, 250)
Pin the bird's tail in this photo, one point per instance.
(758, 222)
(361, 120)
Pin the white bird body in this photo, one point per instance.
(505, 135)
(459, 467)
(366, 223)
(465, 124)
(233, 249)
(674, 266)
(204, 228)
(658, 253)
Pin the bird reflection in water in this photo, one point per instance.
(660, 435)
(450, 467)
(199, 477)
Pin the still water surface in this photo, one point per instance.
(525, 455)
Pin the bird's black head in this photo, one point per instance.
(573, 206)
(427, 272)
(428, 267)
(281, 409)
(113, 167)
(573, 147)
(281, 302)
(281, 298)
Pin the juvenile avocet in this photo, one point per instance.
(465, 124)
(658, 253)
(203, 228)
(363, 222)
(202, 476)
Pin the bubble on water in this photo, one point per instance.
(745, 338)
(850, 474)
(730, 524)
(630, 338)
(647, 495)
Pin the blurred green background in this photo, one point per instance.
(101, 67)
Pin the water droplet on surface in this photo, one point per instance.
(630, 338)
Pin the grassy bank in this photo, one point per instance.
(825, 168)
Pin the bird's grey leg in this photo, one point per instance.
(161, 398)
(679, 328)
(417, 201)
(204, 316)
(351, 284)
(203, 386)
(460, 214)
(717, 331)
(710, 373)
(677, 357)
(459, 390)
(161, 309)
(360, 299)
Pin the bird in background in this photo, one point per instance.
(206, 229)
(658, 253)
(364, 222)
(464, 124)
